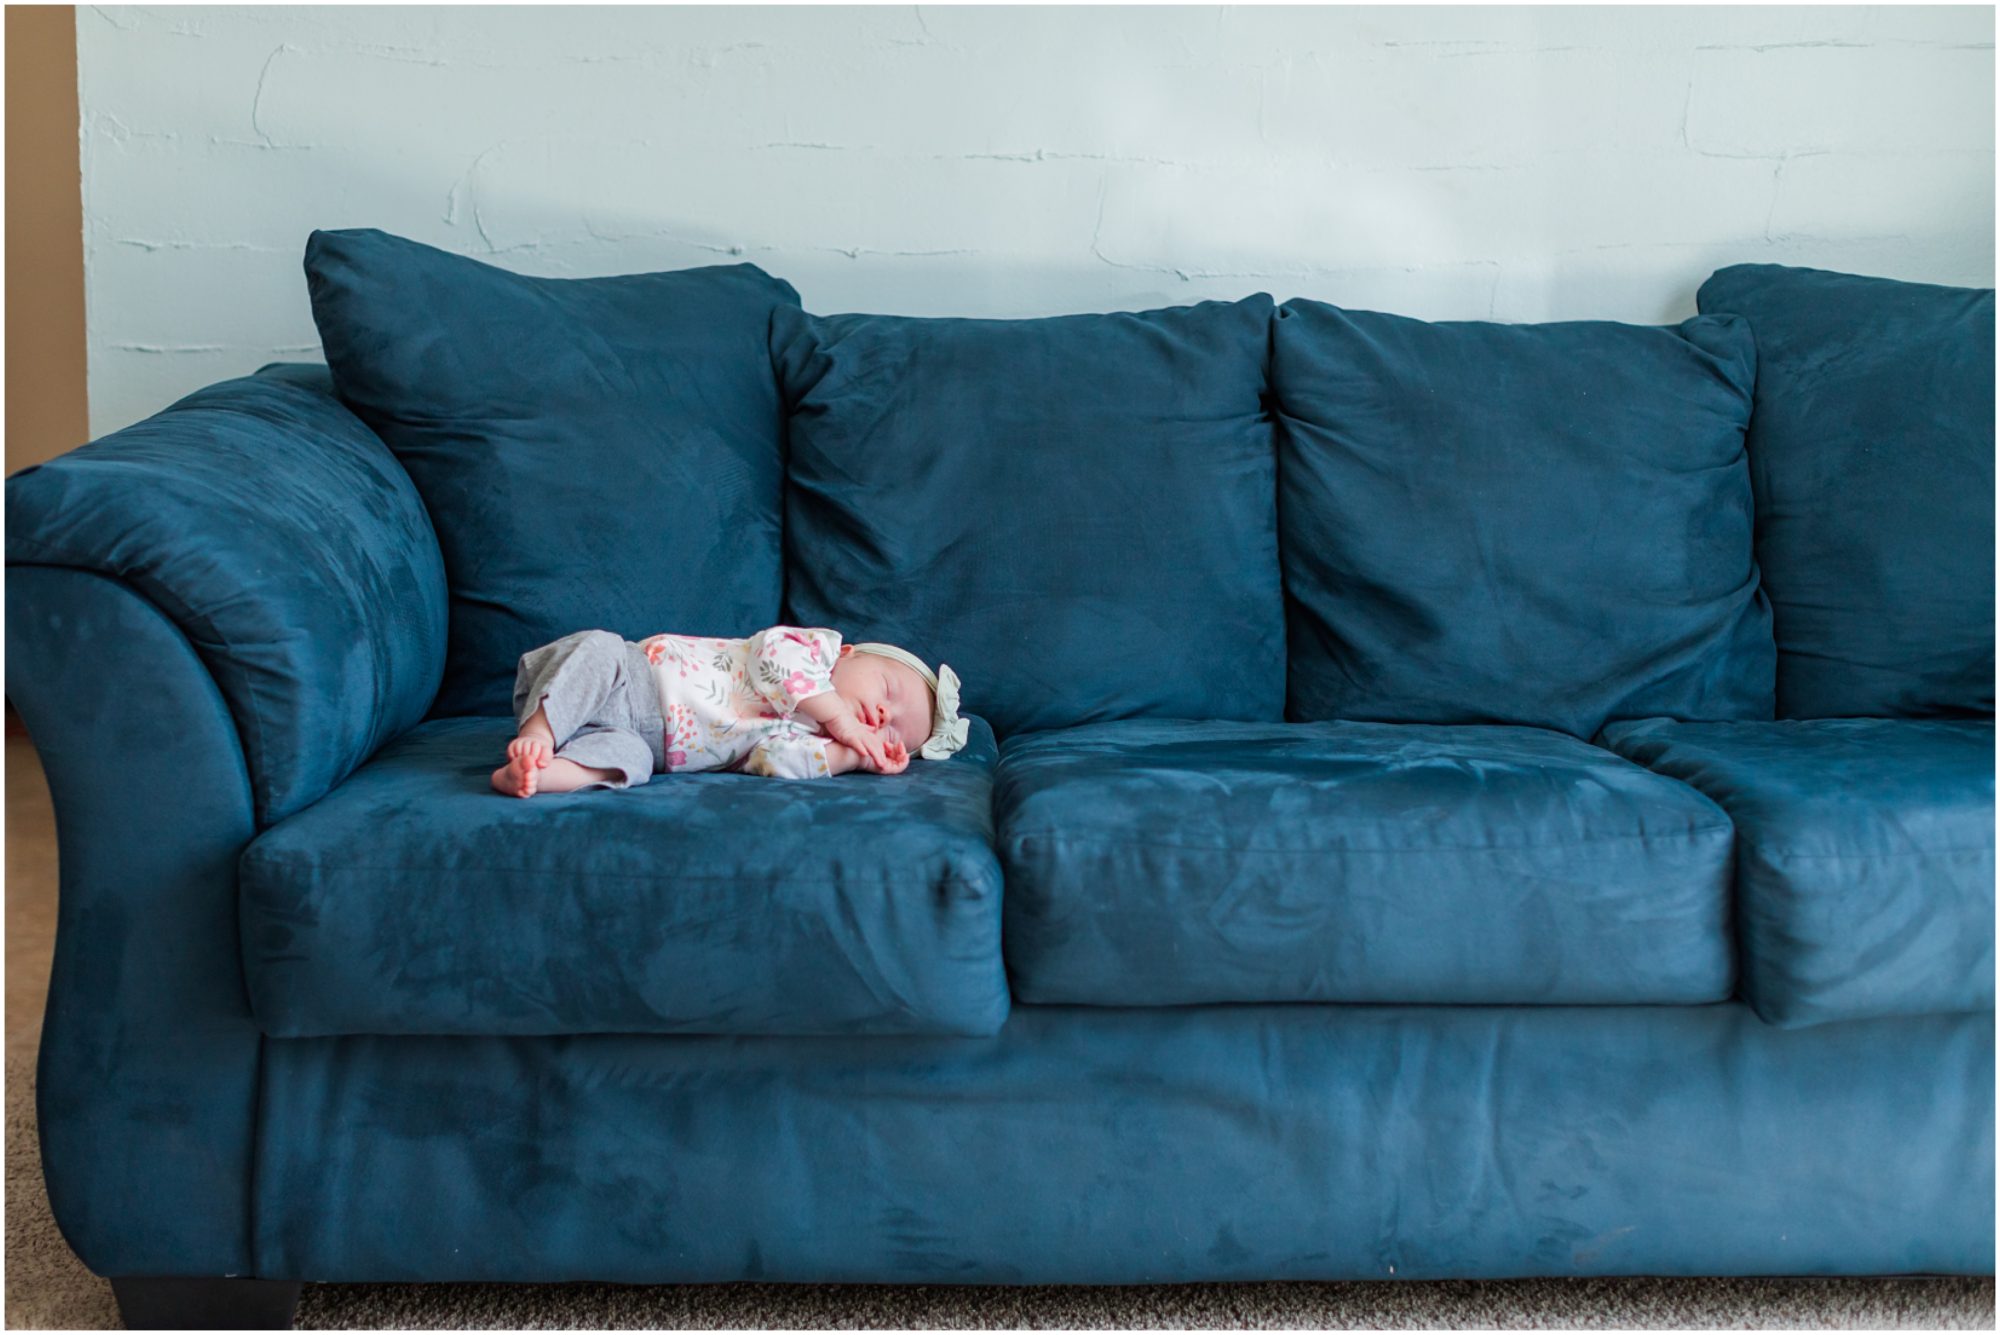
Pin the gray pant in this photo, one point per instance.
(597, 692)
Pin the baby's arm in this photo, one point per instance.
(800, 757)
(793, 670)
(843, 759)
(837, 720)
(825, 709)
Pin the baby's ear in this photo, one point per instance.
(846, 649)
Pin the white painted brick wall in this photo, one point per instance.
(1512, 163)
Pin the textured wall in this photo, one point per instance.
(1521, 164)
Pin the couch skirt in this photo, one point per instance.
(1129, 1146)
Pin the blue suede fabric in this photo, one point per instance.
(1864, 857)
(416, 900)
(1075, 513)
(281, 537)
(147, 1087)
(1158, 863)
(1142, 1146)
(1871, 451)
(594, 452)
(1531, 524)
(325, 1007)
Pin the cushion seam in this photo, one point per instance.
(1751, 846)
(886, 878)
(1055, 837)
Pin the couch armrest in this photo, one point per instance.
(149, 1057)
(282, 538)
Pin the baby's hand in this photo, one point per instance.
(842, 758)
(895, 758)
(848, 730)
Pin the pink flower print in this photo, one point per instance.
(658, 648)
(680, 726)
(798, 684)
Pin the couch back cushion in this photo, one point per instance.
(1076, 513)
(1528, 524)
(594, 453)
(1871, 454)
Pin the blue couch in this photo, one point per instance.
(1449, 800)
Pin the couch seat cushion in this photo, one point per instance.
(415, 900)
(1162, 863)
(1864, 857)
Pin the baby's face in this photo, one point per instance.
(886, 696)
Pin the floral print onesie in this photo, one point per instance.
(682, 703)
(729, 704)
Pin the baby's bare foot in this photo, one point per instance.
(527, 756)
(519, 777)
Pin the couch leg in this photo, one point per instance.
(206, 1304)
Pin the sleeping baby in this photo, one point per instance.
(595, 710)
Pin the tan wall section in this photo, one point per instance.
(46, 399)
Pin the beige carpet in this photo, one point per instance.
(48, 1288)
